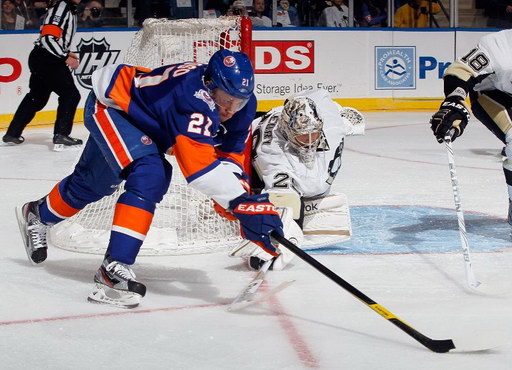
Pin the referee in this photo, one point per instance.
(50, 64)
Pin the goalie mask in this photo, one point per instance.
(302, 127)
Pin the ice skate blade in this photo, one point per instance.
(62, 147)
(252, 300)
(488, 290)
(114, 297)
(8, 144)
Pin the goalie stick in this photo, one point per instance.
(438, 346)
(247, 297)
(470, 275)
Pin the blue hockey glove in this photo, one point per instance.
(258, 218)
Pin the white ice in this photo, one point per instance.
(182, 323)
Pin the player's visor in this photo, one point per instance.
(226, 101)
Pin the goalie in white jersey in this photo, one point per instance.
(485, 75)
(296, 155)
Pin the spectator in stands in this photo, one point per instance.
(258, 17)
(218, 6)
(371, 13)
(183, 9)
(292, 12)
(40, 8)
(286, 15)
(151, 9)
(335, 15)
(238, 8)
(499, 13)
(8, 15)
(91, 15)
(25, 8)
(415, 14)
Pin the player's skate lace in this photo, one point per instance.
(37, 233)
(33, 231)
(119, 276)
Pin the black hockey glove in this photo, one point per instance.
(453, 114)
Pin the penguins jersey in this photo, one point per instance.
(280, 168)
(171, 105)
(488, 66)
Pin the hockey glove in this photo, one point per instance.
(258, 218)
(453, 114)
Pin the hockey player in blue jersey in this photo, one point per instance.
(134, 116)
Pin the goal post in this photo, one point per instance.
(185, 222)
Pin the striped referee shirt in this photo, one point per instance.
(58, 28)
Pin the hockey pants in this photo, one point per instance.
(113, 153)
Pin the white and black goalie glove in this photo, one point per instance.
(453, 114)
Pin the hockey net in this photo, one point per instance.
(185, 221)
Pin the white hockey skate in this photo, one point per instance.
(116, 285)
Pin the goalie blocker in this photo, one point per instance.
(304, 220)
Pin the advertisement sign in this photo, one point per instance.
(368, 66)
(395, 68)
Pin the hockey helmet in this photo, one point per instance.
(231, 72)
(302, 127)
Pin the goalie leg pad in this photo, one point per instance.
(289, 199)
(327, 215)
(293, 233)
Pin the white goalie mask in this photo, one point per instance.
(302, 127)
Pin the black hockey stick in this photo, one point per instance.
(439, 346)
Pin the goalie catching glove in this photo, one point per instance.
(453, 114)
(258, 218)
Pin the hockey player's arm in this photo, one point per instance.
(454, 112)
(112, 84)
(51, 31)
(459, 80)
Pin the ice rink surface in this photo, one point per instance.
(405, 254)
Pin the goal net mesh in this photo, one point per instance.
(185, 221)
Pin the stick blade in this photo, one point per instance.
(239, 305)
(489, 290)
(478, 342)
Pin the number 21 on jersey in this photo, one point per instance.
(199, 124)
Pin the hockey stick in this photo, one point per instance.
(439, 346)
(247, 297)
(470, 275)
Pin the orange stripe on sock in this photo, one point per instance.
(58, 205)
(133, 218)
(111, 136)
(52, 30)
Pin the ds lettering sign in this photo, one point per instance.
(284, 56)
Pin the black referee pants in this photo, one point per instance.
(48, 74)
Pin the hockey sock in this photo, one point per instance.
(54, 208)
(132, 219)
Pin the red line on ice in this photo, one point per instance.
(299, 344)
(105, 314)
